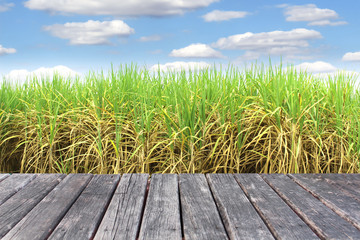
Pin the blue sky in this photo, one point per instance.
(37, 36)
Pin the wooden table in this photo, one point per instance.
(185, 206)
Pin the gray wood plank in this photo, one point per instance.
(352, 176)
(350, 186)
(123, 216)
(201, 219)
(346, 206)
(44, 217)
(322, 220)
(161, 218)
(82, 219)
(352, 179)
(10, 185)
(236, 209)
(15, 208)
(283, 222)
(3, 176)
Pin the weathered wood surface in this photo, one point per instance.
(3, 176)
(82, 219)
(344, 205)
(321, 219)
(10, 185)
(161, 219)
(22, 202)
(283, 222)
(199, 213)
(185, 206)
(123, 216)
(42, 219)
(236, 209)
(350, 185)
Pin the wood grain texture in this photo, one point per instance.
(215, 206)
(345, 206)
(3, 176)
(279, 217)
(348, 184)
(236, 209)
(83, 218)
(161, 219)
(43, 218)
(123, 216)
(22, 202)
(10, 185)
(200, 216)
(326, 223)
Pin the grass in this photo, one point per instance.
(261, 119)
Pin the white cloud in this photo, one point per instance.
(178, 66)
(267, 40)
(326, 23)
(217, 15)
(18, 75)
(119, 8)
(150, 38)
(248, 56)
(196, 50)
(351, 56)
(4, 51)
(310, 13)
(353, 75)
(21, 75)
(316, 67)
(276, 42)
(90, 32)
(6, 6)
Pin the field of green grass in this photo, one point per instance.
(261, 119)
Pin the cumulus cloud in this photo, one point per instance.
(316, 67)
(312, 14)
(6, 6)
(218, 15)
(248, 56)
(150, 38)
(196, 50)
(268, 40)
(4, 51)
(119, 8)
(274, 43)
(351, 56)
(90, 32)
(353, 75)
(178, 66)
(21, 75)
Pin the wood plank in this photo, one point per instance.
(350, 186)
(10, 185)
(352, 176)
(161, 219)
(344, 176)
(82, 219)
(322, 220)
(236, 209)
(352, 179)
(123, 216)
(3, 176)
(43, 218)
(344, 205)
(15, 208)
(201, 219)
(279, 217)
